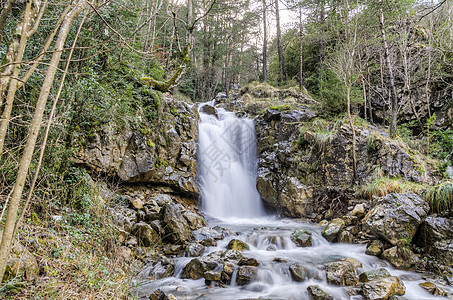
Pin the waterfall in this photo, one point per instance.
(227, 166)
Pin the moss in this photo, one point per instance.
(283, 107)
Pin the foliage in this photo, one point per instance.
(440, 197)
(384, 185)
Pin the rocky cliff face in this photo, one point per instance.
(164, 154)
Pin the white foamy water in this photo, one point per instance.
(227, 166)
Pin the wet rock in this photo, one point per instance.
(297, 272)
(396, 216)
(160, 268)
(196, 268)
(433, 289)
(210, 233)
(374, 275)
(302, 238)
(212, 276)
(158, 295)
(383, 289)
(296, 199)
(246, 275)
(401, 258)
(239, 245)
(317, 293)
(194, 249)
(333, 229)
(358, 211)
(341, 273)
(279, 260)
(20, 263)
(176, 226)
(354, 262)
(251, 262)
(194, 220)
(209, 110)
(374, 248)
(346, 237)
(436, 236)
(145, 234)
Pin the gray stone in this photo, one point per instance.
(333, 229)
(302, 238)
(383, 288)
(318, 294)
(374, 248)
(297, 272)
(341, 273)
(145, 234)
(246, 275)
(374, 274)
(176, 226)
(401, 258)
(194, 249)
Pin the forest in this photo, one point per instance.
(76, 74)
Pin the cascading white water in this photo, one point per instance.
(227, 166)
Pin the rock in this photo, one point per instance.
(212, 276)
(194, 250)
(176, 226)
(297, 272)
(374, 248)
(239, 245)
(161, 268)
(158, 295)
(20, 263)
(125, 253)
(145, 234)
(209, 110)
(401, 259)
(341, 273)
(354, 262)
(137, 204)
(436, 236)
(383, 289)
(195, 220)
(211, 234)
(162, 199)
(396, 217)
(196, 268)
(358, 211)
(374, 275)
(433, 289)
(346, 237)
(296, 199)
(251, 262)
(302, 238)
(332, 229)
(318, 294)
(323, 223)
(246, 275)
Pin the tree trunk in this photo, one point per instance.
(301, 47)
(4, 16)
(322, 16)
(227, 57)
(393, 96)
(36, 122)
(351, 123)
(279, 43)
(264, 42)
(17, 49)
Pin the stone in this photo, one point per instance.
(239, 245)
(436, 236)
(374, 274)
(354, 262)
(302, 238)
(246, 275)
(211, 233)
(177, 228)
(161, 267)
(346, 237)
(401, 259)
(433, 289)
(333, 229)
(251, 262)
(383, 289)
(195, 220)
(137, 204)
(358, 211)
(20, 263)
(323, 223)
(194, 249)
(212, 276)
(161, 199)
(196, 268)
(146, 235)
(318, 294)
(209, 110)
(374, 248)
(341, 273)
(296, 199)
(158, 295)
(297, 272)
(396, 217)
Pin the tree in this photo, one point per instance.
(279, 44)
(26, 158)
(264, 41)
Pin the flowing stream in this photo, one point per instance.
(227, 175)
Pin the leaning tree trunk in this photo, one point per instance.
(393, 97)
(36, 122)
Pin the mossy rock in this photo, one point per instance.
(237, 245)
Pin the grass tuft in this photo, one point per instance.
(440, 197)
(382, 186)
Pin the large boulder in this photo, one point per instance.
(21, 263)
(164, 155)
(401, 258)
(436, 236)
(396, 217)
(302, 238)
(383, 288)
(341, 273)
(317, 293)
(158, 268)
(176, 226)
(145, 234)
(333, 229)
(246, 275)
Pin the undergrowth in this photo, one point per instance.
(382, 186)
(440, 198)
